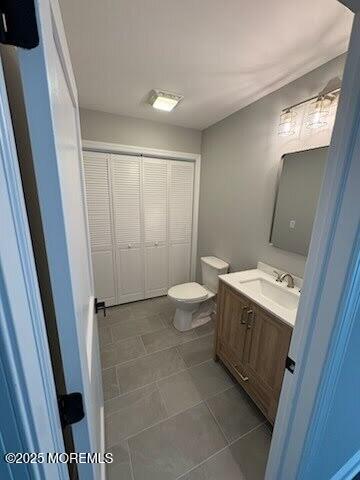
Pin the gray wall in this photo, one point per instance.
(106, 127)
(240, 163)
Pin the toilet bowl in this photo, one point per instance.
(194, 302)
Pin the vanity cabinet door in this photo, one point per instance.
(232, 326)
(266, 349)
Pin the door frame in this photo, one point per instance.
(328, 303)
(38, 89)
(107, 147)
(24, 353)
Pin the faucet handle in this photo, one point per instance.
(277, 276)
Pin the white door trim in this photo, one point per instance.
(332, 273)
(106, 147)
(24, 352)
(39, 91)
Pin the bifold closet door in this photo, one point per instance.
(180, 218)
(126, 185)
(97, 183)
(155, 200)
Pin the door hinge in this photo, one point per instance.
(71, 408)
(100, 306)
(290, 365)
(18, 25)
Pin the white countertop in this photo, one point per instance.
(286, 314)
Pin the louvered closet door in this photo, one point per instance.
(155, 195)
(100, 225)
(180, 217)
(126, 194)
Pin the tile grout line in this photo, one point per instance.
(247, 433)
(156, 382)
(160, 314)
(216, 421)
(143, 344)
(229, 444)
(160, 421)
(169, 417)
(124, 339)
(130, 462)
(160, 379)
(218, 452)
(162, 399)
(137, 358)
(202, 462)
(118, 385)
(150, 353)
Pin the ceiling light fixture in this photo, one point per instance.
(165, 101)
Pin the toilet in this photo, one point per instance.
(194, 302)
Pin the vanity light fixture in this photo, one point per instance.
(166, 101)
(287, 123)
(319, 110)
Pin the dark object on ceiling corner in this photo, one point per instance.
(18, 25)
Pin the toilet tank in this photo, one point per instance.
(211, 267)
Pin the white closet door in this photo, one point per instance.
(127, 201)
(100, 225)
(180, 218)
(155, 194)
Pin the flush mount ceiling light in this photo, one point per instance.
(287, 123)
(165, 101)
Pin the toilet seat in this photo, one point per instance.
(191, 292)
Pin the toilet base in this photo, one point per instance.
(185, 320)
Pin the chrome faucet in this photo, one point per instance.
(290, 279)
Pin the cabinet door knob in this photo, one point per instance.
(156, 244)
(129, 245)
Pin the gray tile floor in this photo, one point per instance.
(171, 412)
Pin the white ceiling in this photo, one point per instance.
(220, 54)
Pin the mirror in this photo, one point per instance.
(297, 197)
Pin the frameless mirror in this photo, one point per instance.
(296, 200)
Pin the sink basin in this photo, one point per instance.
(260, 287)
(279, 294)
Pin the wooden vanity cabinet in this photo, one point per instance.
(254, 345)
(232, 333)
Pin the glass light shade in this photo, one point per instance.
(165, 103)
(287, 123)
(162, 100)
(319, 111)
